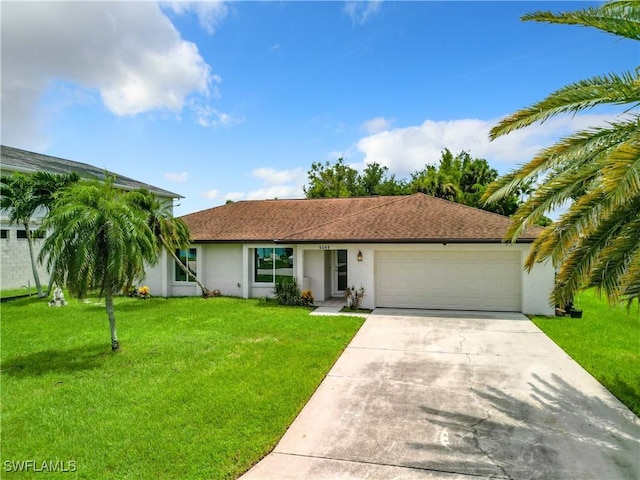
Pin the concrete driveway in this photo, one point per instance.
(451, 395)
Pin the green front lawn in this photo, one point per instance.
(605, 341)
(16, 292)
(200, 389)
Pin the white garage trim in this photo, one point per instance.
(455, 280)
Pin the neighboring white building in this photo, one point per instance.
(15, 265)
(412, 251)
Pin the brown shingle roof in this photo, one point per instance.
(416, 218)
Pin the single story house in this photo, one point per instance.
(14, 251)
(413, 251)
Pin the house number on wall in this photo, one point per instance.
(325, 247)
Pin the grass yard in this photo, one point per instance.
(200, 388)
(605, 341)
(18, 292)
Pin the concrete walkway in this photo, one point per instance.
(333, 306)
(445, 395)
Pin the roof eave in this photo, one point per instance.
(368, 240)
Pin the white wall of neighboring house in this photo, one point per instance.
(15, 263)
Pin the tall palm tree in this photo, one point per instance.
(596, 243)
(171, 233)
(100, 240)
(21, 195)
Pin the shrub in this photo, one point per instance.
(354, 297)
(144, 292)
(307, 298)
(288, 293)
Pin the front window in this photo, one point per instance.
(273, 265)
(188, 259)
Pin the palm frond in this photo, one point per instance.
(613, 89)
(569, 152)
(621, 18)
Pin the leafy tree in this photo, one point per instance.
(22, 195)
(100, 240)
(442, 181)
(375, 180)
(327, 180)
(596, 243)
(461, 179)
(331, 180)
(171, 233)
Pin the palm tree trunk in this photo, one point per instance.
(183, 267)
(108, 301)
(34, 268)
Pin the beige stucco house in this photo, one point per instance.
(412, 251)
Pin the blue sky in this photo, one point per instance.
(236, 100)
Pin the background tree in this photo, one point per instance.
(100, 240)
(596, 243)
(328, 180)
(170, 232)
(460, 178)
(21, 195)
(375, 180)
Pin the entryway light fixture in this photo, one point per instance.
(359, 257)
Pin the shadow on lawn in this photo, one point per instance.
(86, 357)
(552, 431)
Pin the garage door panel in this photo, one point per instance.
(449, 280)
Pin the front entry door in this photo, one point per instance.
(340, 271)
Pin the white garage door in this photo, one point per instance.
(449, 280)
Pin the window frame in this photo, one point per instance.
(286, 252)
(178, 271)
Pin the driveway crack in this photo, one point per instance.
(475, 426)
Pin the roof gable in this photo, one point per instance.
(415, 218)
(24, 161)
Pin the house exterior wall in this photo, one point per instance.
(537, 286)
(222, 268)
(229, 268)
(157, 277)
(314, 273)
(15, 262)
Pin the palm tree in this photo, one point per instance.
(100, 240)
(596, 243)
(171, 233)
(22, 195)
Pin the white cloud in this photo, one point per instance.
(405, 150)
(177, 177)
(361, 11)
(277, 191)
(208, 116)
(128, 52)
(234, 196)
(376, 125)
(273, 177)
(276, 184)
(210, 13)
(211, 194)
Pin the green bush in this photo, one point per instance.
(288, 293)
